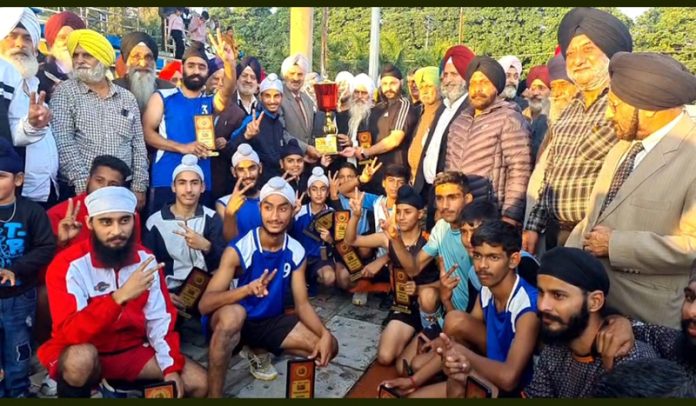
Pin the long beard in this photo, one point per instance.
(574, 328)
(359, 111)
(114, 258)
(90, 75)
(509, 92)
(453, 95)
(26, 65)
(142, 85)
(687, 345)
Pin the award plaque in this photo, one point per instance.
(164, 390)
(205, 132)
(193, 289)
(341, 218)
(323, 219)
(365, 139)
(300, 381)
(402, 301)
(327, 145)
(351, 260)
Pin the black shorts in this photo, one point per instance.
(412, 319)
(268, 333)
(315, 264)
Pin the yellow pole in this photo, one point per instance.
(301, 29)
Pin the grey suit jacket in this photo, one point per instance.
(293, 122)
(653, 218)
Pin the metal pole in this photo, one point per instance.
(374, 44)
(324, 40)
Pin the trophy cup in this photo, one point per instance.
(327, 101)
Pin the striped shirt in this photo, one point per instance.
(581, 139)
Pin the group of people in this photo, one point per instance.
(500, 216)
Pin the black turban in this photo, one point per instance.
(407, 195)
(651, 81)
(489, 67)
(390, 70)
(130, 40)
(253, 63)
(576, 267)
(195, 49)
(557, 69)
(292, 147)
(605, 30)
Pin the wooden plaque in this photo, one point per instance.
(351, 260)
(322, 219)
(300, 381)
(327, 145)
(341, 218)
(205, 131)
(164, 390)
(402, 301)
(364, 139)
(193, 289)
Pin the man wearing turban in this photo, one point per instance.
(93, 117)
(58, 63)
(354, 120)
(427, 82)
(453, 89)
(139, 52)
(641, 218)
(248, 79)
(582, 136)
(537, 111)
(28, 115)
(489, 141)
(512, 66)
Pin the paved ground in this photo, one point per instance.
(357, 330)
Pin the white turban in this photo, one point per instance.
(245, 153)
(110, 199)
(344, 76)
(271, 82)
(188, 163)
(510, 60)
(317, 176)
(278, 186)
(362, 80)
(24, 15)
(297, 59)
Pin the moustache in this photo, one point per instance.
(199, 78)
(117, 239)
(479, 96)
(551, 317)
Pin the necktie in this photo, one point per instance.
(298, 99)
(622, 173)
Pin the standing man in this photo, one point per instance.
(92, 117)
(647, 249)
(413, 91)
(58, 63)
(297, 108)
(582, 136)
(489, 142)
(513, 72)
(176, 31)
(170, 119)
(139, 52)
(537, 112)
(428, 84)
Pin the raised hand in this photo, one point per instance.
(238, 198)
(288, 177)
(7, 276)
(448, 282)
(356, 202)
(298, 202)
(140, 280)
(69, 227)
(326, 160)
(39, 115)
(333, 185)
(227, 51)
(193, 239)
(252, 129)
(369, 171)
(259, 287)
(389, 226)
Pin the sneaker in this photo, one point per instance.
(360, 298)
(260, 365)
(49, 387)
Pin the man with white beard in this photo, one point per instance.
(513, 71)
(139, 52)
(355, 119)
(343, 80)
(28, 116)
(92, 117)
(538, 110)
(58, 64)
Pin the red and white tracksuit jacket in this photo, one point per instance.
(83, 310)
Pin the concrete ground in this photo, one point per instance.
(356, 328)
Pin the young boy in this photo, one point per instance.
(26, 246)
(292, 165)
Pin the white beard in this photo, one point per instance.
(27, 66)
(142, 85)
(509, 92)
(358, 112)
(453, 95)
(89, 76)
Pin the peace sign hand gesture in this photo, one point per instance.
(298, 202)
(356, 202)
(333, 185)
(369, 171)
(389, 226)
(69, 227)
(252, 129)
(227, 51)
(193, 239)
(259, 287)
(238, 198)
(39, 115)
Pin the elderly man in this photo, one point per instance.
(428, 86)
(355, 119)
(173, 117)
(454, 100)
(297, 108)
(582, 136)
(539, 85)
(489, 142)
(343, 80)
(563, 90)
(92, 117)
(58, 63)
(139, 51)
(248, 79)
(28, 116)
(640, 218)
(513, 71)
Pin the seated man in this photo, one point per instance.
(272, 266)
(111, 316)
(572, 286)
(185, 234)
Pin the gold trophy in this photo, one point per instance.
(327, 101)
(205, 132)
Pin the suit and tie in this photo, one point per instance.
(299, 118)
(653, 218)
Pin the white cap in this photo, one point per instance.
(317, 176)
(290, 61)
(110, 199)
(511, 60)
(344, 76)
(188, 163)
(245, 153)
(362, 80)
(271, 82)
(278, 186)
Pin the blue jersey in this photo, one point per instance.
(501, 326)
(178, 125)
(255, 260)
(302, 220)
(368, 204)
(248, 216)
